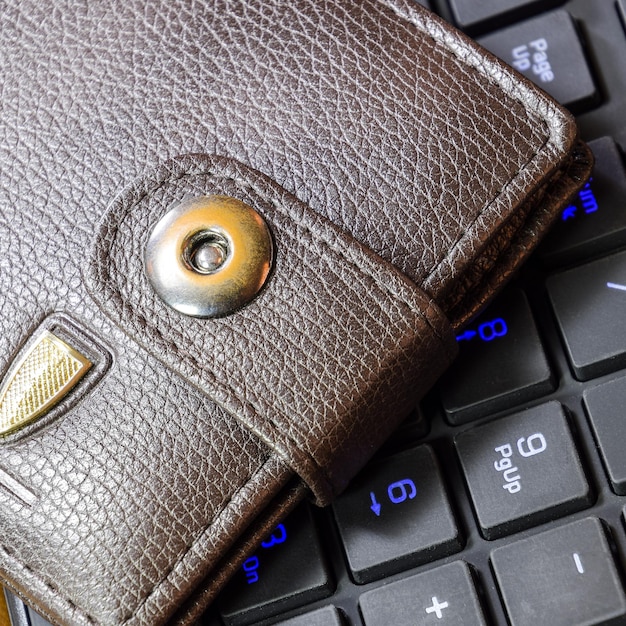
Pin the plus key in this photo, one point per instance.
(445, 596)
(437, 607)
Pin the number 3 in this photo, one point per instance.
(279, 536)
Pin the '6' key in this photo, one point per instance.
(396, 515)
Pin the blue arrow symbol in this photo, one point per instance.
(467, 335)
(375, 505)
(569, 212)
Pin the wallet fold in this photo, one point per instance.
(337, 339)
(404, 174)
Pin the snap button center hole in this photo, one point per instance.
(206, 252)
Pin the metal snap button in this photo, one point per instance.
(209, 256)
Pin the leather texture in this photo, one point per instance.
(405, 174)
(337, 339)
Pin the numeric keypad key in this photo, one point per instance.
(395, 515)
(501, 362)
(327, 616)
(472, 15)
(548, 51)
(522, 470)
(445, 595)
(287, 571)
(596, 221)
(605, 407)
(590, 306)
(562, 577)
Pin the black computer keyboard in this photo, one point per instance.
(502, 500)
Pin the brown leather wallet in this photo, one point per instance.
(402, 174)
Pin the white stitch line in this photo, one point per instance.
(17, 489)
(200, 535)
(542, 110)
(121, 206)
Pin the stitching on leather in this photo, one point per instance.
(155, 588)
(481, 214)
(46, 614)
(245, 186)
(520, 229)
(48, 585)
(197, 538)
(184, 355)
(113, 228)
(491, 80)
(194, 362)
(381, 285)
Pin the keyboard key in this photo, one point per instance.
(480, 15)
(34, 619)
(445, 595)
(522, 470)
(19, 613)
(605, 407)
(287, 571)
(328, 616)
(396, 515)
(565, 576)
(548, 51)
(589, 302)
(501, 362)
(596, 222)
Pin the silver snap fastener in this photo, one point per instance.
(207, 252)
(209, 256)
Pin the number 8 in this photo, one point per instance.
(495, 328)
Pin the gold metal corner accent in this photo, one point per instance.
(41, 378)
(5, 618)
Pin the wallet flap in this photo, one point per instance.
(379, 125)
(322, 365)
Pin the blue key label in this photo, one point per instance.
(397, 492)
(251, 565)
(279, 536)
(402, 490)
(588, 202)
(487, 331)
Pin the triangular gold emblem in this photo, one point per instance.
(43, 376)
